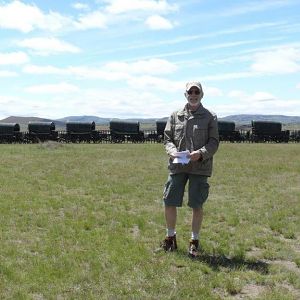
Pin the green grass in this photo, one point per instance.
(85, 222)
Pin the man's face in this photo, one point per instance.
(193, 96)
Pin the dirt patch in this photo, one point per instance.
(52, 145)
(254, 253)
(177, 267)
(293, 243)
(297, 248)
(220, 292)
(249, 291)
(37, 297)
(135, 231)
(290, 289)
(291, 266)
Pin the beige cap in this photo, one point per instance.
(196, 84)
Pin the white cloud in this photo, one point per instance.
(80, 6)
(6, 74)
(58, 88)
(13, 58)
(277, 107)
(26, 17)
(100, 103)
(8, 105)
(98, 73)
(81, 72)
(44, 70)
(139, 75)
(110, 71)
(236, 94)
(212, 91)
(259, 102)
(255, 6)
(92, 20)
(130, 104)
(229, 76)
(28, 107)
(151, 66)
(56, 22)
(251, 98)
(157, 22)
(298, 86)
(47, 46)
(17, 15)
(156, 83)
(5, 99)
(123, 6)
(281, 61)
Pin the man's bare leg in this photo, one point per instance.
(171, 216)
(197, 220)
(169, 243)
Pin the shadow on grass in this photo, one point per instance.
(217, 261)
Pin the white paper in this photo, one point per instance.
(182, 157)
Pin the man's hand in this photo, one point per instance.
(195, 155)
(172, 156)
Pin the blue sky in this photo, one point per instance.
(132, 58)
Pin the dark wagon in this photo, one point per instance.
(41, 132)
(160, 128)
(295, 136)
(227, 132)
(267, 131)
(125, 131)
(78, 132)
(10, 133)
(157, 135)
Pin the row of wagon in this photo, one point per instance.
(129, 131)
(261, 131)
(77, 132)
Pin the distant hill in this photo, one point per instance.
(97, 120)
(246, 119)
(104, 121)
(23, 121)
(240, 120)
(146, 121)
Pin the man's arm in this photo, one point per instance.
(169, 137)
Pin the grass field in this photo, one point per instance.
(85, 222)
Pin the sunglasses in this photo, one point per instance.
(194, 92)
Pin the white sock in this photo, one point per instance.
(195, 236)
(171, 232)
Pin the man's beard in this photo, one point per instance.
(194, 104)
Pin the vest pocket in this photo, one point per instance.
(199, 136)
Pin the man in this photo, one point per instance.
(194, 128)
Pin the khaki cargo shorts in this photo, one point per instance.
(174, 190)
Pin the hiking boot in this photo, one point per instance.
(194, 248)
(169, 243)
